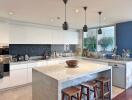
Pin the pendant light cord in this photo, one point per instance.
(100, 19)
(85, 9)
(85, 18)
(65, 12)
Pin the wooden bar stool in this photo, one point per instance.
(90, 86)
(104, 83)
(72, 92)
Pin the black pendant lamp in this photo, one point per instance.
(100, 30)
(85, 28)
(65, 24)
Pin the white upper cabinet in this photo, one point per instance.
(4, 33)
(65, 37)
(17, 33)
(37, 35)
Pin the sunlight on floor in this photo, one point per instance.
(116, 91)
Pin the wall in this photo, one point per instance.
(124, 36)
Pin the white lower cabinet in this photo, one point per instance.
(18, 77)
(21, 73)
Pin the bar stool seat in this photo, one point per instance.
(90, 84)
(71, 92)
(103, 79)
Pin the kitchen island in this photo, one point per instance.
(48, 82)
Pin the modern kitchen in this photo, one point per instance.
(65, 50)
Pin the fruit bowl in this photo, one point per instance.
(72, 63)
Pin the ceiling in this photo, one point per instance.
(47, 11)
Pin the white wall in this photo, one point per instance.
(17, 33)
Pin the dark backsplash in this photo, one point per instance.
(36, 49)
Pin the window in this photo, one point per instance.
(99, 42)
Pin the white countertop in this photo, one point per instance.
(109, 60)
(76, 57)
(62, 73)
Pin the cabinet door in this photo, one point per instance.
(18, 34)
(64, 37)
(119, 76)
(4, 33)
(38, 35)
(58, 37)
(72, 38)
(18, 77)
(18, 66)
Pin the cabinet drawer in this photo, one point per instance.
(18, 66)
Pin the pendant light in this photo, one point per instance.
(65, 24)
(85, 28)
(100, 30)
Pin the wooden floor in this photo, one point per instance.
(25, 93)
(126, 95)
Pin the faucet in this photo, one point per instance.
(126, 53)
(114, 53)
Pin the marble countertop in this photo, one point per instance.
(33, 61)
(75, 57)
(109, 60)
(61, 72)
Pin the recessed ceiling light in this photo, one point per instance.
(51, 20)
(77, 10)
(11, 13)
(58, 18)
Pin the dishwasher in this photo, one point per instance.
(118, 75)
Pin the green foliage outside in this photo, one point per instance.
(105, 42)
(90, 43)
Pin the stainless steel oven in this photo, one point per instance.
(4, 61)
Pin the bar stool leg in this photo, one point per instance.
(63, 96)
(102, 90)
(81, 92)
(95, 92)
(108, 88)
(88, 93)
(69, 98)
(78, 98)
